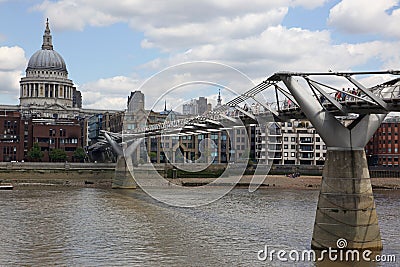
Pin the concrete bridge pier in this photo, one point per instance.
(346, 207)
(123, 178)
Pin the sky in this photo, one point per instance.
(114, 47)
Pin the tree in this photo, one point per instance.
(153, 156)
(35, 154)
(79, 154)
(57, 155)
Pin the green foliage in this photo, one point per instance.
(153, 156)
(57, 155)
(79, 154)
(35, 154)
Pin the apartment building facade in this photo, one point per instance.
(294, 142)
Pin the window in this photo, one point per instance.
(285, 139)
(285, 146)
(317, 139)
(285, 154)
(317, 155)
(293, 139)
(293, 146)
(317, 147)
(293, 154)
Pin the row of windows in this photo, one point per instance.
(387, 141)
(10, 124)
(52, 132)
(388, 133)
(304, 147)
(7, 150)
(388, 150)
(53, 140)
(302, 139)
(48, 72)
(396, 159)
(293, 154)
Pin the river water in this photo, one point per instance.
(51, 226)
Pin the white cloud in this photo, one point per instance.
(279, 48)
(108, 93)
(10, 82)
(358, 16)
(12, 63)
(213, 31)
(12, 58)
(74, 15)
(247, 36)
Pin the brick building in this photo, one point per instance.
(11, 136)
(383, 148)
(55, 134)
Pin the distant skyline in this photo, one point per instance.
(111, 48)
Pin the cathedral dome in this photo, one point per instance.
(46, 59)
(46, 81)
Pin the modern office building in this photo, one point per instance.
(196, 107)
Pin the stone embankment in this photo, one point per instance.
(62, 174)
(101, 175)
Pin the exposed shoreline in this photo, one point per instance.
(104, 180)
(283, 182)
(101, 175)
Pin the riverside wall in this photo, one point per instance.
(73, 174)
(102, 175)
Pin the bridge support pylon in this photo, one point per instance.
(123, 178)
(346, 207)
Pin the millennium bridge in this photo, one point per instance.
(346, 207)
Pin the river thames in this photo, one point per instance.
(50, 226)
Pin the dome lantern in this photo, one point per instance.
(47, 38)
